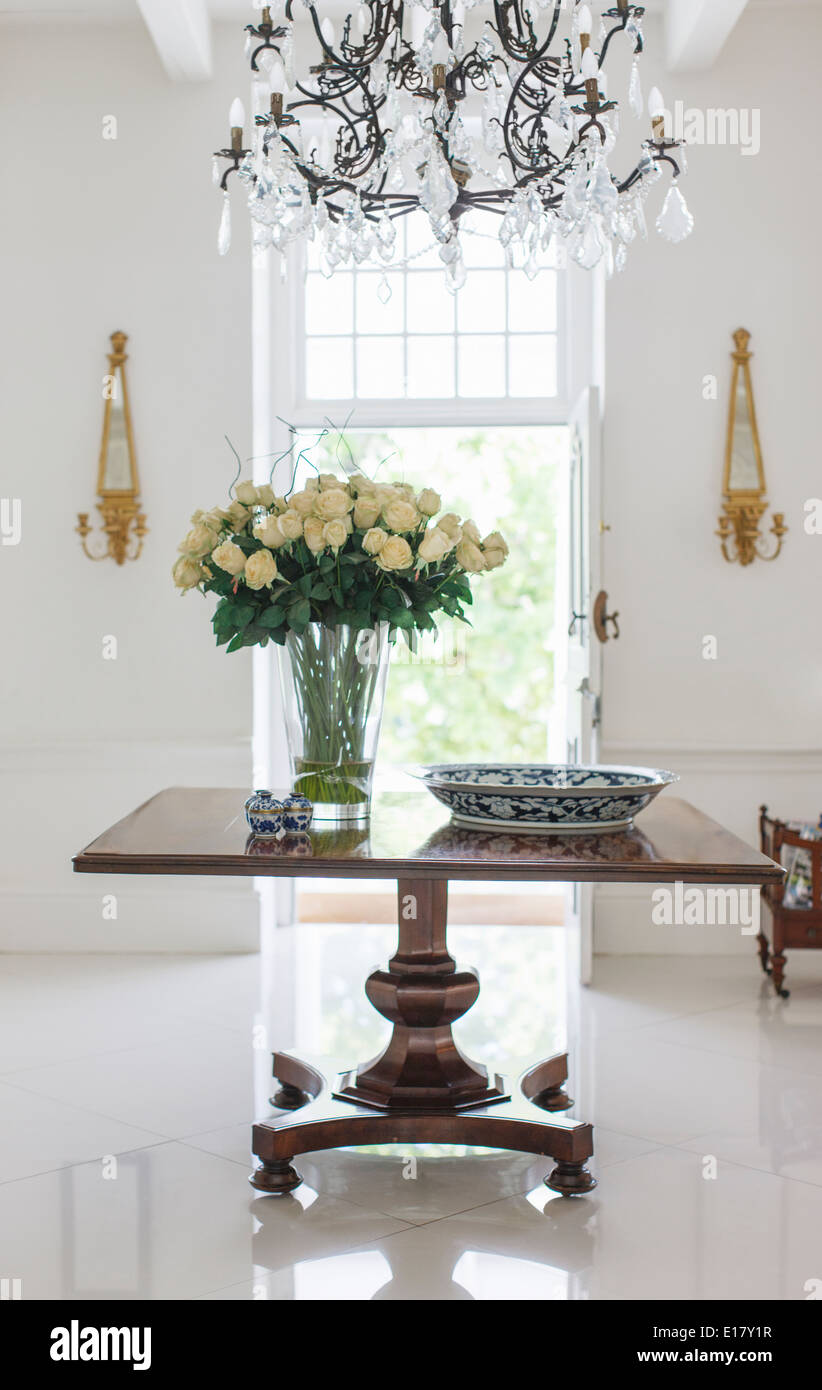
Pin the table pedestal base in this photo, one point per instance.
(421, 1089)
(327, 1120)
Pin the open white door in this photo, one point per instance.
(583, 661)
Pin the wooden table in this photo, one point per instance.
(421, 1088)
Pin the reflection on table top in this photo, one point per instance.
(201, 830)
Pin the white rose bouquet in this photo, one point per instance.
(340, 552)
(317, 572)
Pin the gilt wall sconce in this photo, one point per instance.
(118, 488)
(743, 487)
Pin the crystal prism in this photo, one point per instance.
(224, 233)
(635, 100)
(675, 222)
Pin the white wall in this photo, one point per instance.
(747, 727)
(121, 234)
(101, 235)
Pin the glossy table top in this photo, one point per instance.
(199, 830)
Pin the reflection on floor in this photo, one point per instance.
(127, 1085)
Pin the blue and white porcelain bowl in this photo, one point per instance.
(550, 797)
(297, 813)
(264, 814)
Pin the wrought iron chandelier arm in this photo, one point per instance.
(387, 16)
(521, 49)
(623, 18)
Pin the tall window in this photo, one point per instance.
(398, 334)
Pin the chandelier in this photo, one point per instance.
(451, 109)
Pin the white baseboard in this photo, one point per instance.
(191, 919)
(623, 927)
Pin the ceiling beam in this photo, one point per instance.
(696, 30)
(181, 30)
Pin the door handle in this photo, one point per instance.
(602, 618)
(575, 618)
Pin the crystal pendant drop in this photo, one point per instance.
(455, 275)
(224, 234)
(635, 100)
(589, 249)
(675, 222)
(383, 291)
(216, 171)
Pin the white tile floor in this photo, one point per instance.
(128, 1084)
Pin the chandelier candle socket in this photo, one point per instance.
(449, 111)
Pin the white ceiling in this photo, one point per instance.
(219, 9)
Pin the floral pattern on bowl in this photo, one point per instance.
(553, 797)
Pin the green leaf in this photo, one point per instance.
(273, 616)
(299, 614)
(242, 614)
(401, 617)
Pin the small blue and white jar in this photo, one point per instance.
(297, 813)
(264, 814)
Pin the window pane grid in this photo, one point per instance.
(497, 338)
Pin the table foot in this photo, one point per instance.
(570, 1179)
(553, 1099)
(289, 1098)
(275, 1177)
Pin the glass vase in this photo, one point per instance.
(333, 683)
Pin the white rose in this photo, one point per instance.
(291, 525)
(246, 493)
(429, 501)
(238, 515)
(374, 540)
(434, 545)
(199, 541)
(470, 557)
(470, 531)
(186, 573)
(395, 554)
(495, 550)
(450, 524)
(229, 557)
(366, 510)
(265, 495)
(335, 533)
(328, 481)
(495, 541)
(401, 516)
(260, 569)
(302, 502)
(268, 531)
(333, 504)
(313, 534)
